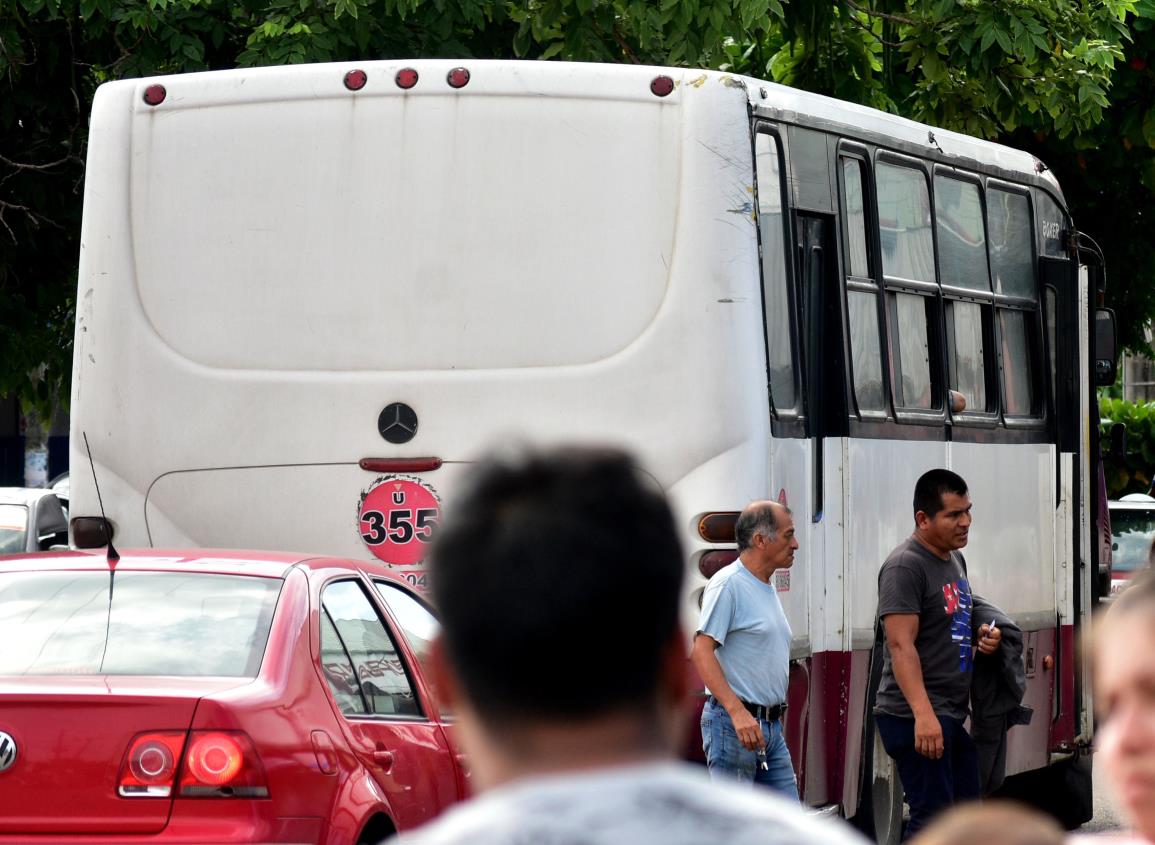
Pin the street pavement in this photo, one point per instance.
(1106, 815)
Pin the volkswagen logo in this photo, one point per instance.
(7, 751)
(397, 423)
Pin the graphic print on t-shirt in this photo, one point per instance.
(957, 604)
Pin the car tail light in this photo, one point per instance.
(149, 768)
(222, 764)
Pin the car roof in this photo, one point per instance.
(219, 561)
(23, 495)
(1132, 502)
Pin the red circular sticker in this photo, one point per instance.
(397, 519)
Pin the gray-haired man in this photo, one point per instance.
(742, 652)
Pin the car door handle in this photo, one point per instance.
(383, 758)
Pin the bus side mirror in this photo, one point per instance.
(1106, 367)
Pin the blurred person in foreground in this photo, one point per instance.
(994, 823)
(558, 578)
(1123, 663)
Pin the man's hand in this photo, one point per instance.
(989, 639)
(928, 736)
(748, 729)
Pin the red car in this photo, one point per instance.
(213, 696)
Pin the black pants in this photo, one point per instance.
(931, 785)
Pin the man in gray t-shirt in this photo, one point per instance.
(924, 603)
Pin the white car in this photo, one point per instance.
(1132, 532)
(31, 520)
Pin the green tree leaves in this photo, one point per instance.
(1045, 74)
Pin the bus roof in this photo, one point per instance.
(599, 81)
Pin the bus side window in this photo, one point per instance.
(861, 290)
(780, 323)
(904, 219)
(1017, 298)
(963, 270)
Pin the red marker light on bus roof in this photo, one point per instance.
(154, 95)
(662, 86)
(458, 77)
(406, 78)
(355, 80)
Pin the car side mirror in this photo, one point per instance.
(1106, 354)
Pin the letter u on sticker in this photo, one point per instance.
(398, 497)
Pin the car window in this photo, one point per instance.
(138, 623)
(1132, 532)
(359, 658)
(418, 624)
(13, 529)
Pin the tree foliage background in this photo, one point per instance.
(1068, 79)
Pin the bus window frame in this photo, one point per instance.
(871, 284)
(936, 415)
(784, 422)
(1038, 364)
(988, 417)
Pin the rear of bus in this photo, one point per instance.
(310, 296)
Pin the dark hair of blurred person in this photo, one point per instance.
(539, 554)
(991, 823)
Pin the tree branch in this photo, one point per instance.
(886, 16)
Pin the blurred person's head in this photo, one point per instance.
(991, 823)
(1124, 685)
(557, 576)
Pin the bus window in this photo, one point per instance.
(967, 359)
(1018, 391)
(962, 256)
(776, 294)
(1013, 269)
(904, 220)
(909, 313)
(1011, 261)
(861, 292)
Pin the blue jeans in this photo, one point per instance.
(726, 759)
(930, 785)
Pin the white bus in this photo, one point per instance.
(309, 296)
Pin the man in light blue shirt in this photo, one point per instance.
(742, 653)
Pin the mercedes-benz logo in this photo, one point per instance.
(397, 423)
(7, 751)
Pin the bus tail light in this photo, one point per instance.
(222, 764)
(718, 527)
(386, 465)
(662, 86)
(711, 562)
(154, 94)
(458, 77)
(355, 80)
(406, 78)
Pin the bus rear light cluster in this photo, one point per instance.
(210, 764)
